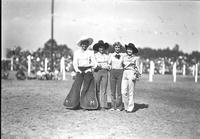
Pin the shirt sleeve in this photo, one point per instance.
(93, 60)
(137, 61)
(75, 62)
(110, 59)
(123, 61)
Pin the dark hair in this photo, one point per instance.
(131, 46)
(85, 42)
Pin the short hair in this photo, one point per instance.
(117, 44)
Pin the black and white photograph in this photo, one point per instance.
(100, 69)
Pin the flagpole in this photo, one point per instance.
(52, 32)
(52, 18)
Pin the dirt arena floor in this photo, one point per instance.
(33, 109)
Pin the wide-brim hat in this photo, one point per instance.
(132, 46)
(100, 43)
(90, 41)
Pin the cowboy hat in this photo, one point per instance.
(132, 46)
(100, 43)
(89, 40)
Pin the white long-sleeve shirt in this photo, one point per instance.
(114, 62)
(102, 60)
(84, 59)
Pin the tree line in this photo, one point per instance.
(145, 53)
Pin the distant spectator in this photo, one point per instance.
(4, 74)
(32, 75)
(20, 75)
(55, 76)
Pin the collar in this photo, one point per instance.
(100, 53)
(116, 53)
(130, 56)
(83, 51)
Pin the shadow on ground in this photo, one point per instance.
(140, 106)
(136, 107)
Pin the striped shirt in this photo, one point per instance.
(83, 59)
(116, 63)
(102, 60)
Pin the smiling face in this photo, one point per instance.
(129, 51)
(117, 48)
(101, 49)
(84, 45)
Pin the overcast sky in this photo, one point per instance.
(155, 24)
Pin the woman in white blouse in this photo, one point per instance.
(82, 93)
(101, 73)
(116, 72)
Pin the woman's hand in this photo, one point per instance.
(79, 71)
(97, 68)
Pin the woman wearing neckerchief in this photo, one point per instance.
(116, 72)
(82, 92)
(130, 75)
(101, 73)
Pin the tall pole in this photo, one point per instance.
(52, 29)
(52, 17)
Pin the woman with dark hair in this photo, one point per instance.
(82, 93)
(101, 73)
(130, 75)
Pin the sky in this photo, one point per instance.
(155, 24)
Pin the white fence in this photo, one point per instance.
(139, 64)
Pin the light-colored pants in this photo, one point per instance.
(128, 89)
(101, 82)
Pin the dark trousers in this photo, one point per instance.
(82, 93)
(86, 79)
(101, 82)
(115, 85)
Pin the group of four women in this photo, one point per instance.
(89, 90)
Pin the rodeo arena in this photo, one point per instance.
(100, 89)
(167, 99)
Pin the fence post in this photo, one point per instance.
(174, 72)
(62, 67)
(196, 73)
(11, 68)
(45, 64)
(151, 71)
(163, 68)
(29, 65)
(184, 69)
(141, 67)
(153, 68)
(193, 70)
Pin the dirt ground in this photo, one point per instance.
(33, 109)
